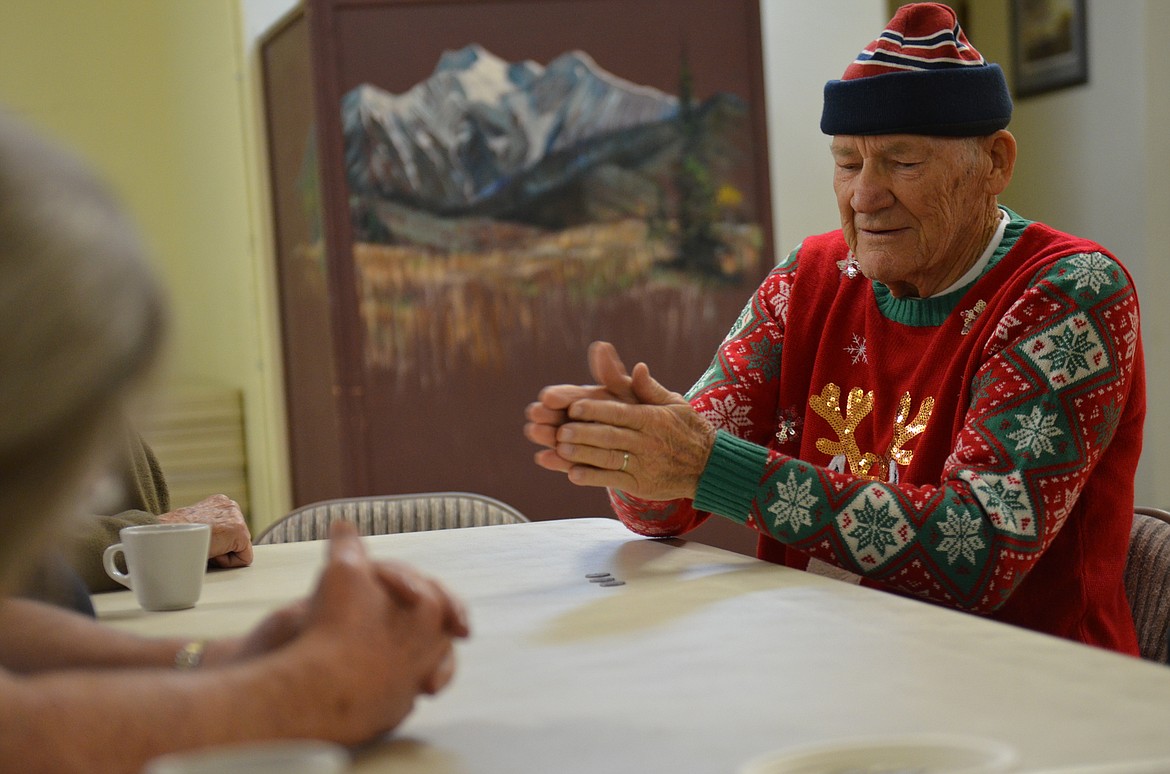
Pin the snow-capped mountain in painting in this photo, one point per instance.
(486, 137)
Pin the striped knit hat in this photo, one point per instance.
(921, 76)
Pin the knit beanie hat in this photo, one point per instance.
(921, 76)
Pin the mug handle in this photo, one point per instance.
(108, 561)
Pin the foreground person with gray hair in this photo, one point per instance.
(83, 323)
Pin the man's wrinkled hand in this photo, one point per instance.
(231, 541)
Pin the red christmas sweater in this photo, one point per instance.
(975, 449)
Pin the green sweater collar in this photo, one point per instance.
(924, 312)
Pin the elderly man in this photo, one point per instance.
(942, 398)
(83, 326)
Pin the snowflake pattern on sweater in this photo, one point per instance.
(939, 453)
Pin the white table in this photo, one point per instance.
(701, 661)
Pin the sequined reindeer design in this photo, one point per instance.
(858, 405)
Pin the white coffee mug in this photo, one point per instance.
(165, 563)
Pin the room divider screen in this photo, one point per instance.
(466, 193)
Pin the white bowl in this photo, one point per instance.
(291, 757)
(918, 754)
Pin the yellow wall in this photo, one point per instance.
(156, 94)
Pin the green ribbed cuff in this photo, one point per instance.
(728, 484)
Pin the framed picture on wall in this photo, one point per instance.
(1049, 46)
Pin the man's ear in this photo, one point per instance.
(1001, 148)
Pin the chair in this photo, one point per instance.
(1147, 581)
(390, 514)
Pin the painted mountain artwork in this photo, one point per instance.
(494, 199)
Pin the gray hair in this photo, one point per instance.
(81, 321)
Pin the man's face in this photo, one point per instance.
(914, 209)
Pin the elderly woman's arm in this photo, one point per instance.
(345, 666)
(35, 637)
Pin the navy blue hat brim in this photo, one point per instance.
(951, 102)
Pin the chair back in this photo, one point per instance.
(387, 514)
(1147, 581)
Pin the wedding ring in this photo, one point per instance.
(625, 461)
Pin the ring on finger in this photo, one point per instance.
(625, 462)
